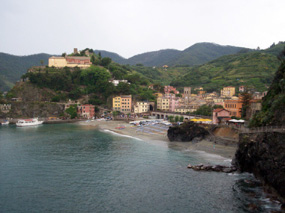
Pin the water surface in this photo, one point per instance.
(65, 168)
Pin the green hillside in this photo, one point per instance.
(13, 67)
(255, 69)
(201, 53)
(194, 55)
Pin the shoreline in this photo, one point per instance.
(152, 134)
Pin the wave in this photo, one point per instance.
(121, 135)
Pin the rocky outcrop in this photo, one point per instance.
(215, 168)
(263, 154)
(186, 132)
(35, 109)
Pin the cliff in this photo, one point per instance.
(186, 132)
(263, 154)
(35, 109)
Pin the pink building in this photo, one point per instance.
(168, 89)
(86, 111)
(173, 104)
(220, 116)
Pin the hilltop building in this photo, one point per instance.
(70, 61)
(116, 82)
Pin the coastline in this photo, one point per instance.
(205, 145)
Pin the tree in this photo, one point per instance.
(106, 61)
(246, 97)
(181, 119)
(42, 62)
(176, 118)
(171, 118)
(72, 111)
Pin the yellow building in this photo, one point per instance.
(228, 91)
(141, 107)
(122, 103)
(69, 61)
(163, 103)
(117, 103)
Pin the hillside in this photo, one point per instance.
(114, 56)
(201, 53)
(251, 69)
(273, 104)
(194, 55)
(13, 67)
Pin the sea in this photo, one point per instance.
(68, 168)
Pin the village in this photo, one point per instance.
(226, 104)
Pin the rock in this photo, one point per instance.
(264, 157)
(216, 168)
(186, 132)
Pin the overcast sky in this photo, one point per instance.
(130, 27)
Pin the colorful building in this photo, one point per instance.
(163, 103)
(69, 61)
(221, 115)
(141, 107)
(234, 106)
(228, 91)
(86, 111)
(117, 103)
(168, 89)
(123, 103)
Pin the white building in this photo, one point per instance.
(141, 107)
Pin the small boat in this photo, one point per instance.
(28, 122)
(4, 122)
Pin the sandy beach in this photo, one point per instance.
(159, 133)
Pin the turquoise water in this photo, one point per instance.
(65, 168)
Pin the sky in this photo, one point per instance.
(130, 27)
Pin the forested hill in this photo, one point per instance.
(254, 69)
(13, 67)
(196, 54)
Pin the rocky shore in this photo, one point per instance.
(263, 154)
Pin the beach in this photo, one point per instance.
(159, 133)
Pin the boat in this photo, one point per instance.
(29, 122)
(4, 122)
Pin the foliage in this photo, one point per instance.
(176, 118)
(181, 119)
(254, 68)
(204, 110)
(171, 118)
(273, 104)
(72, 111)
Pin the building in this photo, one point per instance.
(126, 104)
(163, 103)
(228, 91)
(185, 109)
(254, 107)
(69, 61)
(187, 94)
(117, 103)
(5, 108)
(141, 107)
(241, 89)
(123, 103)
(234, 106)
(201, 92)
(86, 111)
(169, 89)
(221, 115)
(116, 82)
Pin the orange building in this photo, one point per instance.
(234, 106)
